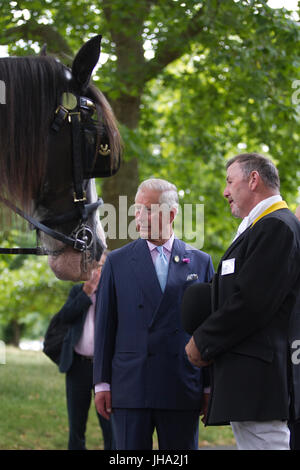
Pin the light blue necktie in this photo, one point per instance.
(161, 266)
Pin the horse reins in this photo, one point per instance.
(81, 238)
(79, 244)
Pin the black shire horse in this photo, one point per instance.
(57, 132)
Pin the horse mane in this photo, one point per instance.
(34, 86)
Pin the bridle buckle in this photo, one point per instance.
(83, 238)
(74, 113)
(79, 199)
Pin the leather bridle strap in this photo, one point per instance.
(74, 118)
(71, 215)
(79, 197)
(79, 193)
(75, 243)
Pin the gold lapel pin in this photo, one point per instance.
(176, 259)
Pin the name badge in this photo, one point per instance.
(228, 266)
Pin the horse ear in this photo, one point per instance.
(43, 50)
(85, 61)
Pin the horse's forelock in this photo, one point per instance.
(33, 86)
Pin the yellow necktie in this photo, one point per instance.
(272, 208)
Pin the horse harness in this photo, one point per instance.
(81, 239)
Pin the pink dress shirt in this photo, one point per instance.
(85, 345)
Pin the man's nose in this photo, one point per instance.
(226, 192)
(143, 213)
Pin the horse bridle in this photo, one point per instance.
(81, 239)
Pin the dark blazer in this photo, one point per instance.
(247, 334)
(139, 340)
(73, 313)
(294, 339)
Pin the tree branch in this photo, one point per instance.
(173, 47)
(41, 33)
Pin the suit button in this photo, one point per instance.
(141, 306)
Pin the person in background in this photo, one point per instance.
(77, 360)
(140, 370)
(246, 337)
(294, 424)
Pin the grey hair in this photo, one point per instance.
(168, 191)
(255, 162)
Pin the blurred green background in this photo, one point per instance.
(192, 83)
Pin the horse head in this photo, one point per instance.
(58, 132)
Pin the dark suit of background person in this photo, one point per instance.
(139, 346)
(294, 423)
(246, 336)
(79, 368)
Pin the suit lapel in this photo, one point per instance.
(178, 250)
(234, 245)
(144, 270)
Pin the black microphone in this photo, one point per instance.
(196, 306)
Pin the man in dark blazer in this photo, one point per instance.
(246, 337)
(141, 371)
(294, 422)
(76, 360)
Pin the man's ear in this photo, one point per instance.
(254, 180)
(85, 60)
(173, 214)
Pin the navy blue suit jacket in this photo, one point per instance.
(139, 340)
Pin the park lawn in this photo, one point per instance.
(33, 408)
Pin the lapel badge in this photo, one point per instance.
(176, 259)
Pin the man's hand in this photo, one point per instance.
(103, 404)
(91, 285)
(194, 355)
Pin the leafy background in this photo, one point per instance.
(192, 83)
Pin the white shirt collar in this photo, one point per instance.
(168, 245)
(256, 212)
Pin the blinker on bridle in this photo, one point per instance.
(81, 238)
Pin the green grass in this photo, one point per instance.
(33, 407)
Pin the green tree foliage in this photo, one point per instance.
(29, 292)
(191, 82)
(29, 296)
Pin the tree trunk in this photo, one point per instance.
(128, 39)
(12, 333)
(126, 181)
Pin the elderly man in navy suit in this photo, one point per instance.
(141, 373)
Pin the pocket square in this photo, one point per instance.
(192, 277)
